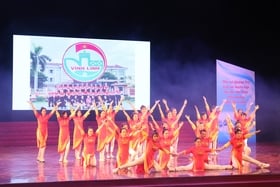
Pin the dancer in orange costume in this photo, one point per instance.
(111, 113)
(199, 153)
(214, 127)
(64, 135)
(123, 138)
(144, 114)
(78, 132)
(147, 160)
(105, 133)
(88, 153)
(42, 129)
(137, 132)
(172, 118)
(237, 152)
(167, 139)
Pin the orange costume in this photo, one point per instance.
(109, 133)
(64, 133)
(163, 157)
(151, 148)
(78, 133)
(199, 154)
(135, 133)
(101, 138)
(89, 148)
(123, 149)
(237, 149)
(42, 129)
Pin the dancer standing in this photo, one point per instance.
(78, 132)
(42, 129)
(64, 135)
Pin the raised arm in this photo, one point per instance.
(95, 108)
(182, 109)
(87, 113)
(176, 132)
(249, 108)
(164, 101)
(118, 107)
(56, 111)
(190, 122)
(154, 106)
(253, 114)
(222, 104)
(235, 112)
(104, 107)
(156, 126)
(132, 106)
(229, 124)
(198, 117)
(207, 107)
(126, 114)
(33, 107)
(161, 112)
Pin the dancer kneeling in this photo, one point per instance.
(199, 153)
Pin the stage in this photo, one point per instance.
(19, 167)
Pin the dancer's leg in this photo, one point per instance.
(217, 167)
(182, 168)
(140, 160)
(254, 161)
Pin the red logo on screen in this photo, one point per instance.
(84, 62)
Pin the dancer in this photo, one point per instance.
(78, 132)
(64, 134)
(147, 160)
(42, 129)
(199, 153)
(237, 152)
(88, 153)
(214, 114)
(172, 119)
(138, 133)
(111, 113)
(124, 139)
(101, 138)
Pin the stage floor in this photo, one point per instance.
(18, 165)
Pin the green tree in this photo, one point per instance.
(38, 64)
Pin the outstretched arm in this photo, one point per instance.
(132, 106)
(226, 145)
(156, 126)
(182, 109)
(251, 134)
(33, 107)
(190, 122)
(154, 106)
(119, 104)
(207, 107)
(198, 117)
(126, 114)
(95, 108)
(164, 101)
(229, 124)
(104, 107)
